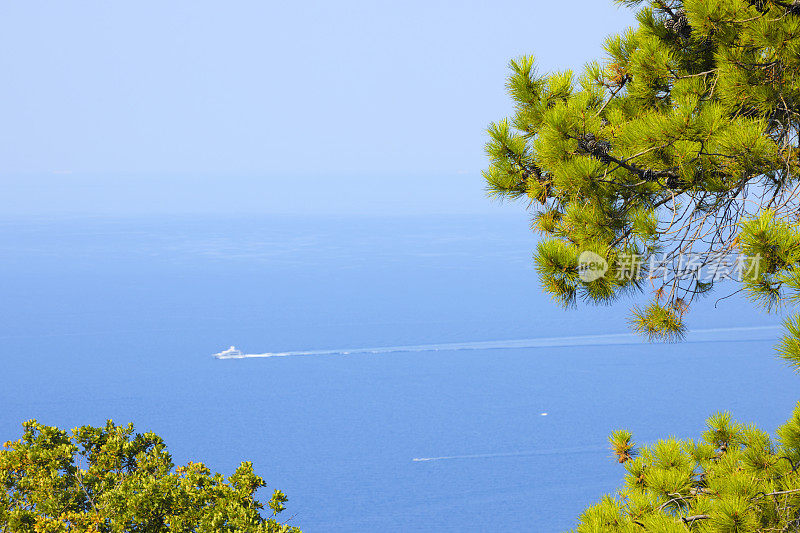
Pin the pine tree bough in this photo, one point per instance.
(680, 150)
(691, 519)
(588, 144)
(735, 478)
(672, 152)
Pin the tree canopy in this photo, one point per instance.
(734, 479)
(671, 166)
(677, 151)
(112, 480)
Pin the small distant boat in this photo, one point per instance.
(230, 353)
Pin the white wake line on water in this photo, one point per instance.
(554, 451)
(735, 334)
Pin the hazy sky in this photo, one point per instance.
(254, 105)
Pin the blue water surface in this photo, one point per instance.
(118, 318)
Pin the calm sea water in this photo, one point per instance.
(117, 318)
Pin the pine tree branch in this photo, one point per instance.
(776, 493)
(589, 145)
(673, 500)
(613, 94)
(692, 519)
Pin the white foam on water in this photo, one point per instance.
(735, 334)
(553, 451)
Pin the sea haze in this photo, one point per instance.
(118, 318)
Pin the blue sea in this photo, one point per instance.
(118, 317)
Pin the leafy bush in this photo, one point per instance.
(108, 479)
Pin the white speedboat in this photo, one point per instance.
(230, 353)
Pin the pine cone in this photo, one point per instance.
(587, 142)
(678, 24)
(673, 182)
(681, 26)
(593, 147)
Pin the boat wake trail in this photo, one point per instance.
(736, 334)
(555, 451)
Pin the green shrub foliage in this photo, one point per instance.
(112, 480)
